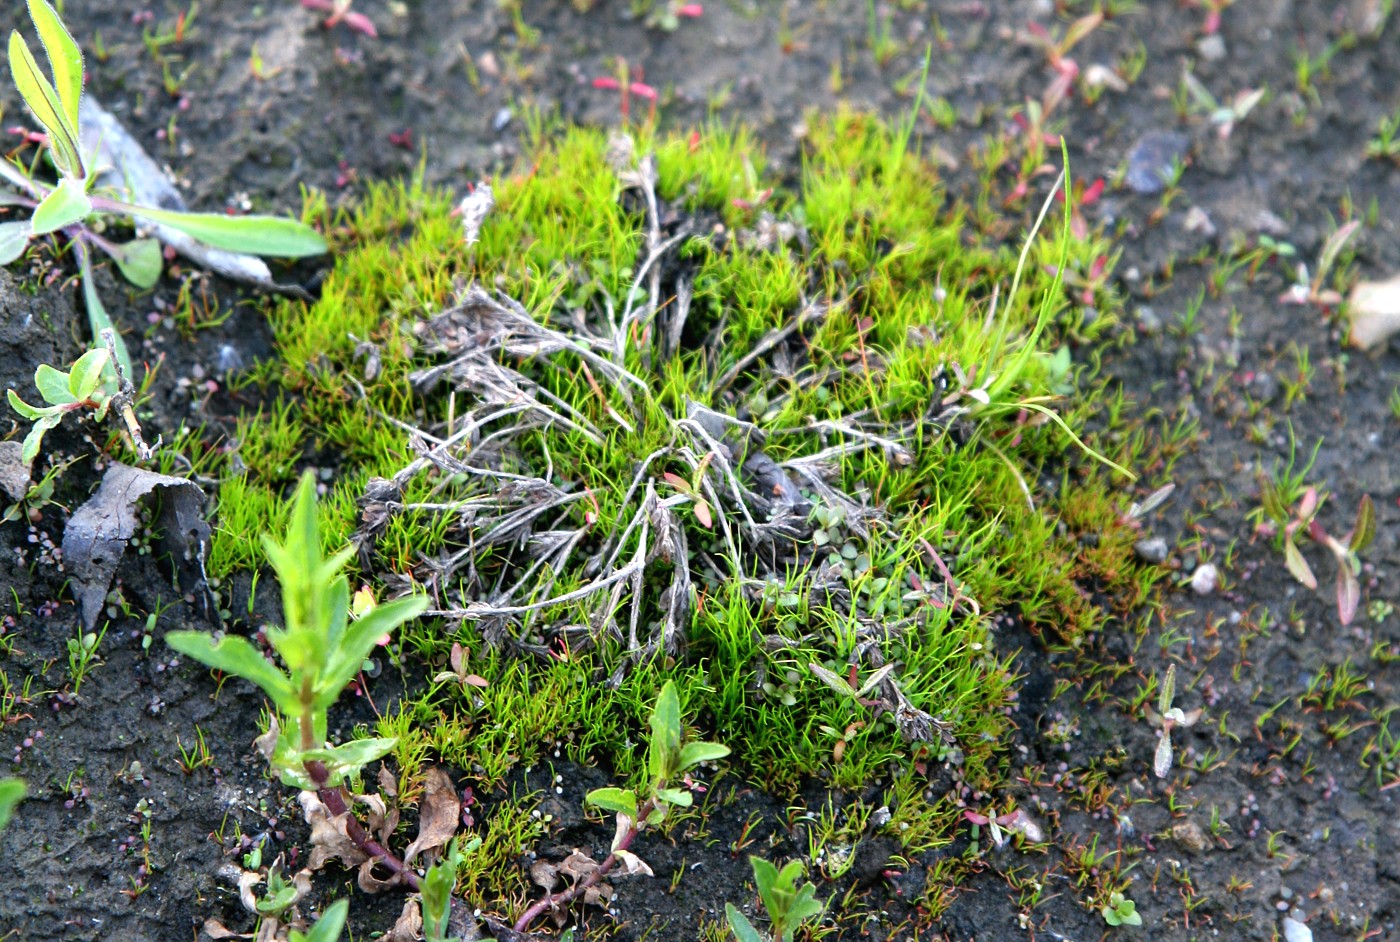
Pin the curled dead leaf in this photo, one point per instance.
(1374, 307)
(329, 839)
(439, 814)
(409, 926)
(545, 875)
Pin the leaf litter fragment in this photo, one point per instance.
(98, 532)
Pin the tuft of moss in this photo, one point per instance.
(923, 371)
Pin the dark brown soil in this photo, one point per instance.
(1311, 831)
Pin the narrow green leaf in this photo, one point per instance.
(666, 729)
(14, 238)
(31, 413)
(236, 655)
(43, 101)
(355, 754)
(1168, 691)
(359, 640)
(65, 205)
(98, 318)
(1365, 529)
(765, 876)
(614, 799)
(693, 753)
(12, 792)
(329, 926)
(273, 236)
(86, 374)
(65, 58)
(30, 450)
(739, 925)
(140, 260)
(1298, 565)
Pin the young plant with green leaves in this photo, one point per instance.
(86, 386)
(1167, 718)
(76, 206)
(322, 651)
(438, 883)
(789, 906)
(1302, 518)
(667, 758)
(1120, 911)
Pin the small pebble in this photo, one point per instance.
(1211, 48)
(1152, 159)
(1190, 836)
(1153, 550)
(1295, 931)
(1205, 579)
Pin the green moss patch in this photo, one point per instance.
(793, 448)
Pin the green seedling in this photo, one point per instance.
(1302, 518)
(1312, 290)
(789, 906)
(82, 654)
(667, 758)
(85, 386)
(37, 496)
(328, 927)
(438, 884)
(322, 651)
(1168, 717)
(1386, 144)
(1223, 116)
(12, 791)
(320, 647)
(73, 206)
(281, 895)
(1121, 911)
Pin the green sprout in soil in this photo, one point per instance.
(789, 906)
(667, 759)
(75, 207)
(84, 387)
(1301, 518)
(322, 651)
(1168, 717)
(1121, 911)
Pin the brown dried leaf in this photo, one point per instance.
(267, 742)
(439, 814)
(329, 840)
(98, 532)
(1374, 308)
(578, 865)
(409, 926)
(599, 894)
(216, 931)
(388, 782)
(246, 881)
(370, 882)
(545, 875)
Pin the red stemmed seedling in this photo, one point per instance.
(321, 652)
(1302, 519)
(337, 12)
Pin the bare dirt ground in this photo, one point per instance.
(1281, 813)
